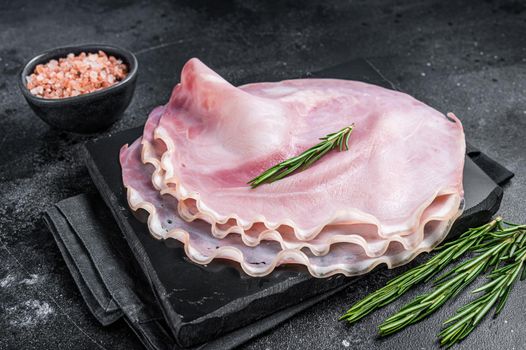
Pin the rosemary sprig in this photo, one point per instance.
(329, 142)
(399, 285)
(447, 286)
(496, 294)
(498, 245)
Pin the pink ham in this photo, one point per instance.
(403, 153)
(392, 195)
(365, 234)
(201, 247)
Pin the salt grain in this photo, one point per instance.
(76, 75)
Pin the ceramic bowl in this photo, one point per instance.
(87, 113)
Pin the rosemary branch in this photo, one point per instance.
(399, 285)
(496, 294)
(498, 245)
(301, 162)
(447, 287)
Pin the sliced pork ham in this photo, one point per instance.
(365, 234)
(202, 247)
(404, 153)
(392, 195)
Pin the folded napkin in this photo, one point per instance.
(492, 168)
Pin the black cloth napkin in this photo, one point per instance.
(113, 286)
(497, 172)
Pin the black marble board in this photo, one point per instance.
(202, 302)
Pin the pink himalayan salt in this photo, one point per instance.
(76, 75)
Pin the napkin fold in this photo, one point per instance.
(492, 168)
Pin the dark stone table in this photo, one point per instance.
(465, 57)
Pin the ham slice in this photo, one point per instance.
(404, 153)
(202, 247)
(442, 208)
(392, 195)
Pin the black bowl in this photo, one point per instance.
(87, 113)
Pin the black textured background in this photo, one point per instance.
(467, 57)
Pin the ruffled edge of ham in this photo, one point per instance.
(286, 256)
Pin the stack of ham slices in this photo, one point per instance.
(392, 195)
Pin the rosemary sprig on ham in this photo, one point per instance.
(337, 140)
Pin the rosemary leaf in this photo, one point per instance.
(493, 249)
(496, 294)
(338, 140)
(446, 287)
(399, 285)
(498, 245)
